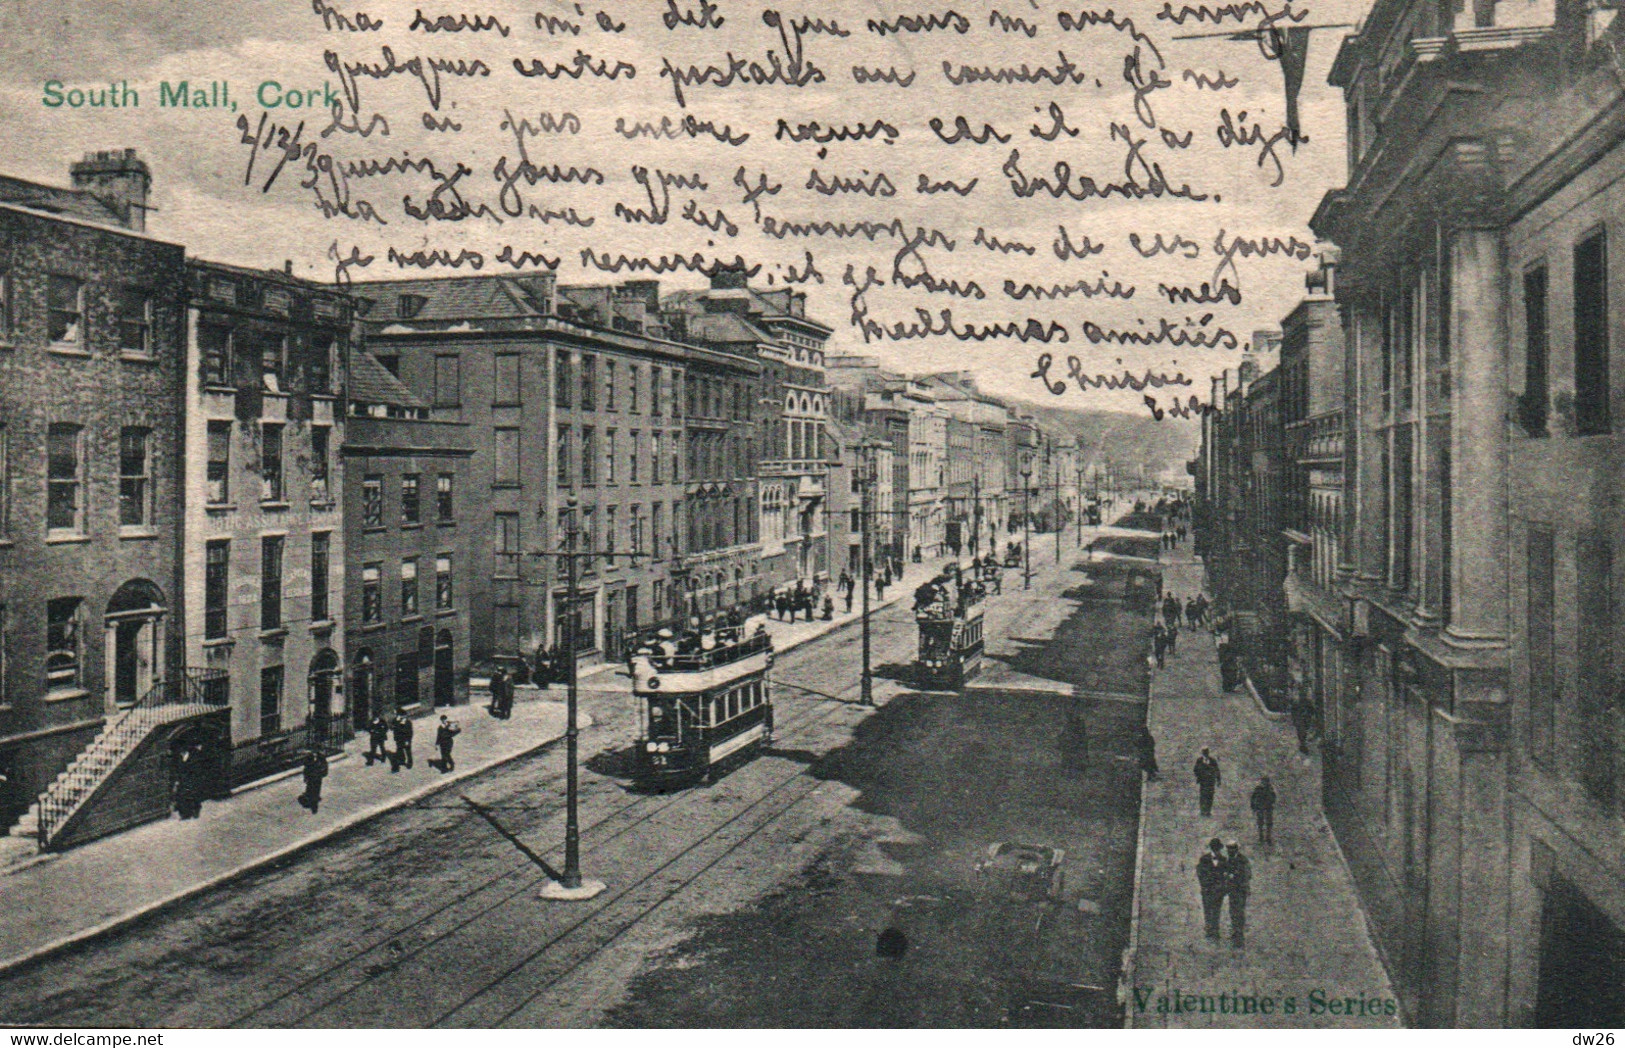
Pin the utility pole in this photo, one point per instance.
(570, 887)
(1055, 471)
(1027, 523)
(1077, 465)
(866, 482)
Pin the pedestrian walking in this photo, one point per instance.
(849, 590)
(1210, 881)
(402, 731)
(377, 735)
(880, 585)
(1173, 630)
(1207, 781)
(1159, 644)
(1238, 880)
(1148, 754)
(1263, 805)
(1227, 665)
(444, 737)
(315, 770)
(1303, 717)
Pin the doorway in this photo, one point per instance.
(134, 643)
(445, 670)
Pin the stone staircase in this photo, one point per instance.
(41, 826)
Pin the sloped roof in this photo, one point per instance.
(77, 203)
(371, 383)
(456, 298)
(725, 327)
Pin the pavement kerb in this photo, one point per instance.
(11, 964)
(1125, 981)
(1258, 700)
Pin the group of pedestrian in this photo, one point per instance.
(501, 694)
(1223, 874)
(382, 729)
(793, 600)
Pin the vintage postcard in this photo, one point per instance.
(629, 514)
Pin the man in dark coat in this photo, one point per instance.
(315, 770)
(1238, 879)
(1148, 754)
(444, 737)
(1159, 644)
(1227, 665)
(1263, 805)
(1303, 717)
(377, 735)
(402, 730)
(1210, 881)
(1207, 780)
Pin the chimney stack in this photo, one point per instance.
(119, 179)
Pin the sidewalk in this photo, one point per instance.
(73, 895)
(1307, 938)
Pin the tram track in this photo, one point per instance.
(813, 716)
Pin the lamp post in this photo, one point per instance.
(1055, 472)
(866, 483)
(1077, 465)
(570, 886)
(1027, 522)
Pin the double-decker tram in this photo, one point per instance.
(948, 612)
(703, 698)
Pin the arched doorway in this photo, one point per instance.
(445, 669)
(326, 698)
(361, 688)
(134, 643)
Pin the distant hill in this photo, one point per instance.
(1124, 439)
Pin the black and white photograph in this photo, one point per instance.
(730, 515)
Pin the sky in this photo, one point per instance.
(204, 199)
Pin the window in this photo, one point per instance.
(214, 348)
(632, 387)
(372, 501)
(562, 379)
(62, 643)
(565, 479)
(5, 493)
(609, 382)
(609, 456)
(654, 458)
(589, 382)
(64, 457)
(609, 531)
(442, 582)
(444, 502)
(411, 506)
(320, 451)
(506, 536)
(318, 358)
(406, 679)
(271, 582)
(589, 456)
(1541, 580)
(448, 381)
(134, 322)
(270, 701)
(657, 599)
(320, 547)
(676, 459)
(657, 530)
(654, 391)
(409, 587)
(632, 457)
(1594, 658)
(505, 383)
(66, 310)
(372, 601)
(8, 314)
(216, 588)
(218, 475)
(273, 350)
(270, 462)
(677, 394)
(1591, 394)
(134, 477)
(587, 541)
(507, 457)
(636, 538)
(1533, 407)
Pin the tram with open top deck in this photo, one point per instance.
(702, 700)
(948, 612)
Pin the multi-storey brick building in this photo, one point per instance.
(264, 536)
(1481, 728)
(409, 533)
(91, 604)
(792, 467)
(568, 393)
